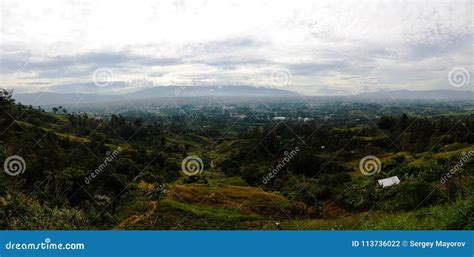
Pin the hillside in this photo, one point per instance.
(138, 179)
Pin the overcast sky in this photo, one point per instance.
(312, 47)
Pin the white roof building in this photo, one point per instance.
(386, 182)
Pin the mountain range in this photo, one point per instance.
(55, 98)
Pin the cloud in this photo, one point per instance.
(328, 46)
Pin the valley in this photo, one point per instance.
(144, 183)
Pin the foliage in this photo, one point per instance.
(73, 182)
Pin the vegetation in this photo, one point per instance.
(122, 170)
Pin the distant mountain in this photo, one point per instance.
(53, 98)
(237, 93)
(192, 91)
(418, 95)
(46, 98)
(115, 87)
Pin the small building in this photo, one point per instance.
(279, 118)
(386, 182)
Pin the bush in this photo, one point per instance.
(462, 219)
(361, 195)
(413, 195)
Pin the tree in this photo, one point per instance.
(403, 122)
(387, 122)
(7, 113)
(230, 168)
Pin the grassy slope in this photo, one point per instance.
(429, 218)
(215, 207)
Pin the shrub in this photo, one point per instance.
(413, 195)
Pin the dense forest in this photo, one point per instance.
(258, 166)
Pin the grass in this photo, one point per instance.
(70, 137)
(458, 152)
(345, 223)
(416, 161)
(232, 181)
(247, 199)
(439, 217)
(454, 147)
(63, 136)
(201, 206)
(209, 213)
(134, 206)
(386, 157)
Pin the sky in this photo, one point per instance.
(310, 47)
